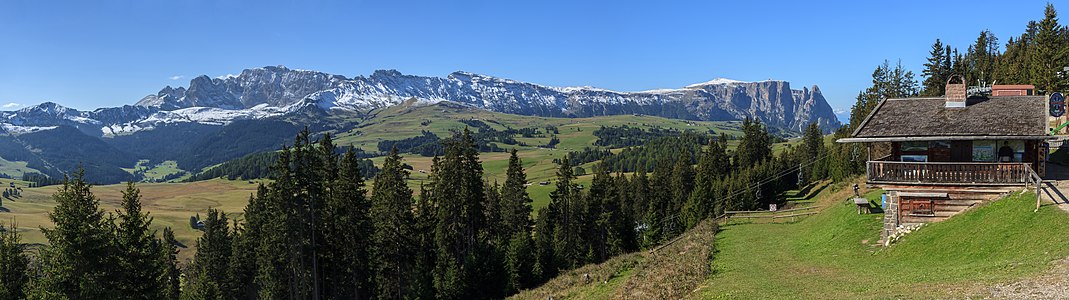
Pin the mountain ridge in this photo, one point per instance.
(277, 90)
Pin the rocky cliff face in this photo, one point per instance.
(773, 102)
(277, 91)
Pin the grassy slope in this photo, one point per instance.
(15, 169)
(831, 255)
(404, 121)
(169, 204)
(157, 171)
(669, 273)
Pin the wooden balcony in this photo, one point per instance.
(948, 173)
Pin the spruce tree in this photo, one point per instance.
(568, 216)
(14, 265)
(459, 195)
(1050, 52)
(682, 183)
(346, 226)
(169, 255)
(426, 220)
(546, 263)
(712, 165)
(80, 261)
(935, 76)
(755, 146)
(659, 212)
(640, 194)
(142, 269)
(516, 203)
(392, 224)
(209, 268)
(812, 150)
(519, 262)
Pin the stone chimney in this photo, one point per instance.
(955, 92)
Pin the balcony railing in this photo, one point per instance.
(948, 173)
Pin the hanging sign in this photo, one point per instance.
(1057, 105)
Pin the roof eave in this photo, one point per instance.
(943, 138)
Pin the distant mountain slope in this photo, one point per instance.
(772, 101)
(271, 92)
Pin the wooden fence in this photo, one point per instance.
(772, 216)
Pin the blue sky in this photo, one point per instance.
(88, 54)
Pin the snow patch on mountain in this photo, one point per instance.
(15, 129)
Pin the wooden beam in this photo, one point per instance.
(943, 138)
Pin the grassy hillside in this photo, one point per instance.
(668, 273)
(996, 242)
(169, 204)
(833, 254)
(404, 121)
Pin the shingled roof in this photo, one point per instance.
(929, 118)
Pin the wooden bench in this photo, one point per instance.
(863, 205)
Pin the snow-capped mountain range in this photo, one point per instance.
(278, 91)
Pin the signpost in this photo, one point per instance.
(1057, 105)
(1057, 111)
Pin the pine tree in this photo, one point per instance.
(755, 146)
(426, 254)
(392, 223)
(1049, 52)
(640, 194)
(546, 263)
(516, 203)
(516, 219)
(142, 269)
(713, 164)
(980, 58)
(569, 248)
(935, 71)
(80, 261)
(812, 150)
(169, 255)
(659, 214)
(518, 262)
(461, 220)
(624, 235)
(346, 225)
(210, 265)
(682, 183)
(14, 265)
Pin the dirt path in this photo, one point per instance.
(1053, 284)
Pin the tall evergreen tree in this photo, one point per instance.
(461, 220)
(659, 215)
(392, 224)
(172, 276)
(713, 164)
(426, 220)
(567, 208)
(1049, 53)
(516, 203)
(682, 184)
(346, 224)
(755, 146)
(812, 149)
(14, 265)
(980, 58)
(209, 269)
(640, 194)
(936, 71)
(142, 269)
(80, 261)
